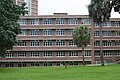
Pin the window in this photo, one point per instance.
(87, 53)
(34, 64)
(107, 43)
(9, 65)
(34, 42)
(97, 33)
(106, 24)
(107, 33)
(21, 54)
(117, 33)
(71, 43)
(117, 23)
(21, 64)
(60, 21)
(48, 64)
(85, 21)
(9, 54)
(60, 42)
(72, 21)
(60, 54)
(73, 54)
(47, 54)
(59, 64)
(23, 32)
(34, 54)
(23, 21)
(107, 53)
(47, 43)
(117, 53)
(34, 31)
(22, 43)
(117, 42)
(97, 54)
(73, 63)
(34, 22)
(97, 43)
(47, 32)
(96, 25)
(70, 32)
(60, 32)
(47, 21)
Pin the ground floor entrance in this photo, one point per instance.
(47, 63)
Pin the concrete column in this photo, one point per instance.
(54, 54)
(66, 21)
(15, 65)
(54, 42)
(113, 56)
(79, 21)
(66, 32)
(66, 43)
(28, 31)
(15, 54)
(41, 43)
(54, 20)
(41, 32)
(41, 54)
(27, 43)
(28, 21)
(54, 32)
(28, 64)
(40, 21)
(66, 54)
(27, 54)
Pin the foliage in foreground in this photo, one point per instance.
(9, 28)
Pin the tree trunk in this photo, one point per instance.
(83, 55)
(101, 45)
(65, 64)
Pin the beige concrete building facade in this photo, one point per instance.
(46, 40)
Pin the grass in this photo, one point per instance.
(109, 72)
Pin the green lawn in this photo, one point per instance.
(109, 72)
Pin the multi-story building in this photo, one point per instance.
(32, 6)
(46, 40)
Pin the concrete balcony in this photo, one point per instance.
(112, 28)
(108, 38)
(42, 37)
(51, 26)
(108, 47)
(43, 59)
(48, 48)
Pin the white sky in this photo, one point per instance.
(72, 7)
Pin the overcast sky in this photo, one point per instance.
(72, 7)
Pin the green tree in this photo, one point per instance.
(9, 27)
(97, 10)
(100, 10)
(81, 37)
(115, 4)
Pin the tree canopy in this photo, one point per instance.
(116, 5)
(81, 37)
(100, 10)
(9, 27)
